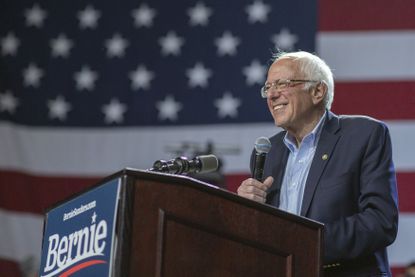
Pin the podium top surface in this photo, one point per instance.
(183, 180)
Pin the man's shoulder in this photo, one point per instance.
(360, 122)
(360, 128)
(350, 124)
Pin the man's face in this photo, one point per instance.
(291, 107)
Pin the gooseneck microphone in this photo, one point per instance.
(182, 165)
(262, 147)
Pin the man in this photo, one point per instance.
(334, 169)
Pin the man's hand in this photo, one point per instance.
(254, 189)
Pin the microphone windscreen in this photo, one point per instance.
(208, 163)
(262, 145)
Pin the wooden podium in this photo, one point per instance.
(170, 225)
(178, 226)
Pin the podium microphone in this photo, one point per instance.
(182, 165)
(262, 147)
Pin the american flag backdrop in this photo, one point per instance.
(90, 87)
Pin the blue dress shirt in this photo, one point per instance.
(298, 166)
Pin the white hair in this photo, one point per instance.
(314, 68)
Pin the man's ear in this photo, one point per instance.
(318, 92)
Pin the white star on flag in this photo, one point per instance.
(114, 111)
(258, 12)
(88, 18)
(61, 46)
(198, 75)
(171, 44)
(8, 103)
(168, 108)
(141, 78)
(58, 108)
(199, 14)
(85, 79)
(9, 44)
(254, 73)
(227, 105)
(143, 16)
(285, 40)
(116, 46)
(35, 16)
(32, 75)
(227, 44)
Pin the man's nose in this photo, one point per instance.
(274, 92)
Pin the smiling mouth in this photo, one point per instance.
(278, 107)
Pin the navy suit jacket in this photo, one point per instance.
(351, 188)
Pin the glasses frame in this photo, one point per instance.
(282, 84)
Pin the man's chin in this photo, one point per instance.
(279, 123)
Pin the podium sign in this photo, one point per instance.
(79, 235)
(140, 223)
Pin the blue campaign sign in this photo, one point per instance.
(79, 235)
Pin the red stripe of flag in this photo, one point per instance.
(398, 270)
(360, 15)
(35, 194)
(406, 188)
(28, 193)
(9, 268)
(377, 99)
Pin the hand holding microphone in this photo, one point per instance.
(262, 147)
(254, 188)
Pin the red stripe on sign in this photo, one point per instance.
(382, 100)
(359, 15)
(29, 193)
(81, 266)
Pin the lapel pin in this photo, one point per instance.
(324, 157)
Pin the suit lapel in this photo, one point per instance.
(325, 147)
(276, 168)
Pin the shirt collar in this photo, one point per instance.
(311, 138)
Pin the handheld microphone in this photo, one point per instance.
(182, 165)
(262, 147)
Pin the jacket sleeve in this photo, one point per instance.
(374, 226)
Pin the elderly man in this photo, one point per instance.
(334, 169)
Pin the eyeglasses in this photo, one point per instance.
(282, 84)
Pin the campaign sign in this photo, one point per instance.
(79, 235)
